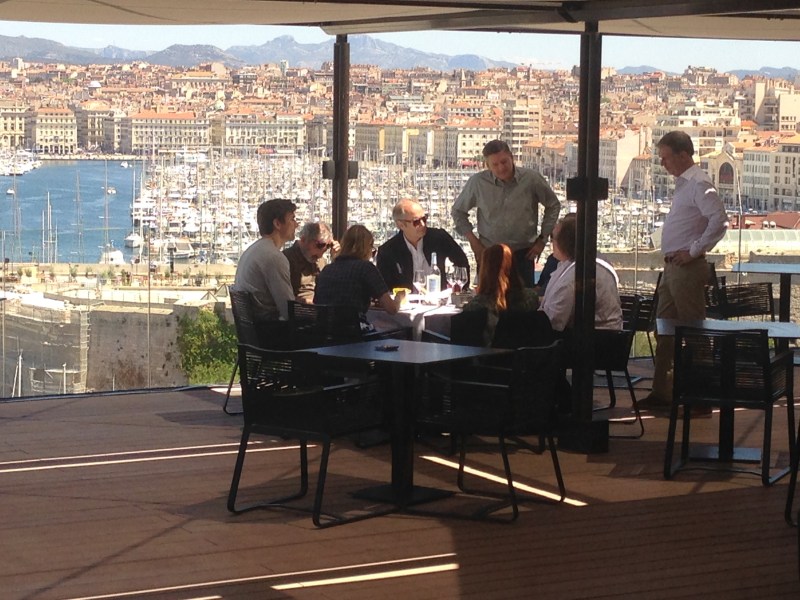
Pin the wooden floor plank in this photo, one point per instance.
(124, 496)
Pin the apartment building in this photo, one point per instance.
(248, 130)
(773, 105)
(785, 182)
(165, 131)
(12, 124)
(51, 131)
(522, 122)
(617, 151)
(462, 142)
(90, 119)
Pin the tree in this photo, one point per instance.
(208, 347)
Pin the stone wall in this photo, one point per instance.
(118, 355)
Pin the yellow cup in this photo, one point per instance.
(405, 291)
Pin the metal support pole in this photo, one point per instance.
(341, 128)
(584, 434)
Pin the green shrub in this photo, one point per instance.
(208, 348)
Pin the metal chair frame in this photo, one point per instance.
(504, 403)
(612, 351)
(729, 370)
(283, 397)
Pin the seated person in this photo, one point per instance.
(353, 280)
(305, 258)
(500, 288)
(558, 302)
(411, 248)
(264, 271)
(550, 265)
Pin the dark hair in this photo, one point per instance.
(497, 277)
(495, 147)
(566, 234)
(677, 141)
(270, 210)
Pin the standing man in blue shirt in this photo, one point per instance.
(506, 199)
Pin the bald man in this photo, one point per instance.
(411, 248)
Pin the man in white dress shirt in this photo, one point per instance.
(695, 223)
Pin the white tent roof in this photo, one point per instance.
(730, 19)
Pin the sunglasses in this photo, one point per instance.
(416, 222)
(323, 245)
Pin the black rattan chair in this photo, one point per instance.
(282, 396)
(612, 351)
(729, 370)
(246, 333)
(508, 404)
(747, 300)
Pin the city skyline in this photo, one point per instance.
(547, 51)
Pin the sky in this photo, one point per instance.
(538, 50)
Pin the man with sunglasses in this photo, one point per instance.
(306, 258)
(506, 199)
(412, 247)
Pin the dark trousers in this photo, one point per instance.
(523, 266)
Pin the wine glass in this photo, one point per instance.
(419, 281)
(459, 277)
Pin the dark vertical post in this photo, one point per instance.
(585, 435)
(341, 129)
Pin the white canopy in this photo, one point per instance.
(718, 19)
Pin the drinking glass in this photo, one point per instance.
(459, 277)
(419, 281)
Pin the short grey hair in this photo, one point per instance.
(316, 231)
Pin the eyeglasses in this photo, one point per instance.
(416, 222)
(323, 245)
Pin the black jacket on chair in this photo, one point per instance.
(397, 267)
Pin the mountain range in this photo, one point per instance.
(364, 49)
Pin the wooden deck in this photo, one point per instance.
(123, 496)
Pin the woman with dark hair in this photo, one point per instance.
(500, 288)
(351, 279)
(558, 302)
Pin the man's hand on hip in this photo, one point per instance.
(679, 258)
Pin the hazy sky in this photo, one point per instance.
(545, 51)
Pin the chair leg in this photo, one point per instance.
(612, 392)
(635, 405)
(650, 344)
(278, 502)
(562, 490)
(237, 470)
(669, 471)
(228, 394)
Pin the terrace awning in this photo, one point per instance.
(729, 19)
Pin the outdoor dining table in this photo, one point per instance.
(416, 316)
(725, 450)
(401, 358)
(785, 270)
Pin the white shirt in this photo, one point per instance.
(559, 297)
(697, 219)
(418, 257)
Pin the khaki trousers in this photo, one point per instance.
(681, 295)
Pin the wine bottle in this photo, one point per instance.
(434, 279)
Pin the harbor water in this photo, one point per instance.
(89, 208)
